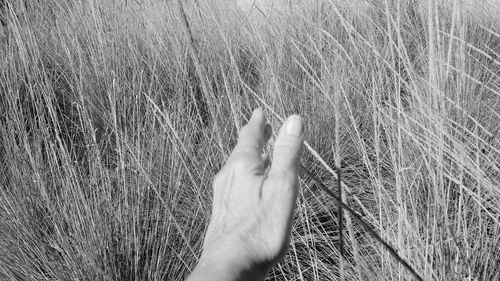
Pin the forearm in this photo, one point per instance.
(214, 269)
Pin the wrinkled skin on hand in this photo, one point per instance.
(253, 209)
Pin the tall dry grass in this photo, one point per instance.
(113, 122)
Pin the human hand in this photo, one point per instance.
(252, 212)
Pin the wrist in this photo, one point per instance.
(221, 267)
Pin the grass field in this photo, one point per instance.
(115, 116)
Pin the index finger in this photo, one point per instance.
(251, 137)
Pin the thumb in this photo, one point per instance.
(288, 146)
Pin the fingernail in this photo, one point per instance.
(294, 126)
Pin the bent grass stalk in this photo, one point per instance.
(364, 224)
(344, 206)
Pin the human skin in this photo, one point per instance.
(252, 212)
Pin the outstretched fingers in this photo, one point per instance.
(251, 139)
(287, 149)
